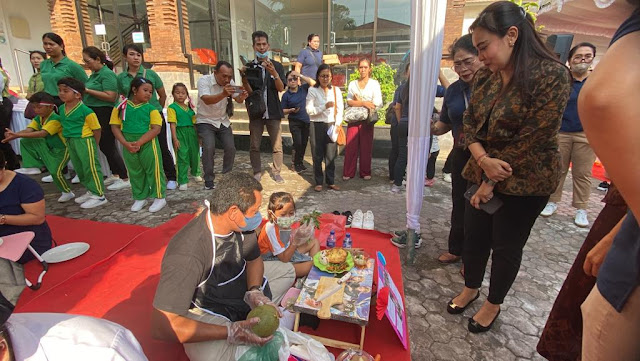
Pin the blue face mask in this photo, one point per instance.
(252, 223)
(266, 54)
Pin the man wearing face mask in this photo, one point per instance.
(574, 146)
(262, 79)
(212, 275)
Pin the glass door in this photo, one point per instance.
(273, 17)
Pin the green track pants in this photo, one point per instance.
(84, 156)
(146, 173)
(188, 155)
(35, 152)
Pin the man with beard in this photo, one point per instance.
(574, 146)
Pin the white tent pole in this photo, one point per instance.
(427, 32)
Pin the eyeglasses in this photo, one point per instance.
(579, 58)
(466, 63)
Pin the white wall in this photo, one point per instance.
(37, 15)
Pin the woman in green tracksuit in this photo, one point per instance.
(181, 117)
(136, 124)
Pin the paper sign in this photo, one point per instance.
(395, 311)
(101, 29)
(137, 37)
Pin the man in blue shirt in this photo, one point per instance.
(574, 146)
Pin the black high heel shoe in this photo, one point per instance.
(454, 309)
(475, 327)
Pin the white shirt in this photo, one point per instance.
(59, 336)
(318, 112)
(370, 93)
(214, 114)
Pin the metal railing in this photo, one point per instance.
(16, 63)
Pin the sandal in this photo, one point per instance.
(318, 188)
(346, 178)
(367, 177)
(334, 187)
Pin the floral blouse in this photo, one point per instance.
(525, 136)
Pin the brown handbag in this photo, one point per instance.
(342, 138)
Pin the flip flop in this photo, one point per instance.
(318, 188)
(456, 259)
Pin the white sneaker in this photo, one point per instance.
(358, 219)
(119, 184)
(447, 177)
(183, 187)
(171, 185)
(110, 179)
(581, 218)
(66, 196)
(198, 179)
(368, 221)
(396, 189)
(28, 171)
(93, 202)
(83, 198)
(157, 205)
(549, 209)
(48, 179)
(75, 180)
(138, 205)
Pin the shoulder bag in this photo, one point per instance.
(342, 138)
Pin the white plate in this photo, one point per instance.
(65, 252)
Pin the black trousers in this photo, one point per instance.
(108, 142)
(6, 109)
(393, 155)
(300, 134)
(167, 160)
(322, 148)
(458, 158)
(431, 164)
(447, 165)
(401, 162)
(505, 233)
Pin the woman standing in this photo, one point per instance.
(310, 58)
(294, 105)
(456, 101)
(133, 57)
(511, 128)
(36, 57)
(364, 92)
(101, 95)
(58, 66)
(325, 108)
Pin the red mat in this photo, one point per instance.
(120, 286)
(598, 172)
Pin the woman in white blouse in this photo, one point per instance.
(364, 92)
(325, 108)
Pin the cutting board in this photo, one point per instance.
(325, 284)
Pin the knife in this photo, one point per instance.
(335, 288)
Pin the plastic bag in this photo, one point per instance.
(307, 348)
(331, 222)
(275, 350)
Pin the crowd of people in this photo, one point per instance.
(518, 117)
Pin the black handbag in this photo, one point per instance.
(255, 105)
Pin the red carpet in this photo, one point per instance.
(118, 284)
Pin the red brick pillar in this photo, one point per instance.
(164, 32)
(452, 26)
(64, 22)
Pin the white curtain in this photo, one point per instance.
(427, 31)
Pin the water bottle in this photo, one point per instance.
(331, 240)
(347, 241)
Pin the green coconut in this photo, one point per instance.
(269, 321)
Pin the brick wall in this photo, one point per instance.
(64, 22)
(164, 32)
(452, 26)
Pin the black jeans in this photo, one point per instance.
(167, 159)
(322, 148)
(447, 165)
(108, 142)
(300, 134)
(208, 133)
(431, 164)
(458, 159)
(401, 162)
(505, 233)
(393, 155)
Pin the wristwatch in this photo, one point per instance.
(256, 287)
(486, 179)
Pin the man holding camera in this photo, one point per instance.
(212, 120)
(262, 79)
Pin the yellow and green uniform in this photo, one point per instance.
(125, 79)
(78, 125)
(51, 150)
(102, 80)
(52, 72)
(146, 173)
(188, 155)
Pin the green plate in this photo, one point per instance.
(322, 267)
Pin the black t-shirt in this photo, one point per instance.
(187, 263)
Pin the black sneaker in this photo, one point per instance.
(209, 186)
(302, 166)
(337, 213)
(299, 168)
(349, 218)
(603, 186)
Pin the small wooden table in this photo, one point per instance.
(355, 307)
